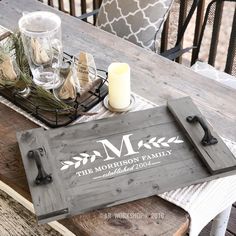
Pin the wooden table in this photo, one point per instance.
(153, 77)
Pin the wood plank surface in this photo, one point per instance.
(12, 214)
(13, 174)
(83, 191)
(148, 220)
(218, 158)
(96, 184)
(155, 156)
(52, 201)
(153, 77)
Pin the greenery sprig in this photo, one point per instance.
(38, 95)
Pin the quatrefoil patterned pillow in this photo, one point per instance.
(135, 20)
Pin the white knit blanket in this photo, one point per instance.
(202, 201)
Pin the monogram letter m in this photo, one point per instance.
(108, 145)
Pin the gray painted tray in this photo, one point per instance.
(116, 160)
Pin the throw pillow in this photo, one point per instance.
(139, 21)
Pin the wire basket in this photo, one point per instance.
(54, 118)
(57, 117)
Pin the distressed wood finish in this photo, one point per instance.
(84, 192)
(11, 214)
(97, 223)
(218, 157)
(51, 199)
(110, 161)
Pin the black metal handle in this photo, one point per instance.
(208, 138)
(42, 177)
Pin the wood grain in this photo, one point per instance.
(218, 158)
(153, 217)
(13, 174)
(148, 170)
(83, 193)
(51, 200)
(12, 214)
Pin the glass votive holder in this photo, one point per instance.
(41, 37)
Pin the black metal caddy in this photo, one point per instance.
(58, 117)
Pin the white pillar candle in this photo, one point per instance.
(119, 85)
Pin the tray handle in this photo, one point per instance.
(208, 138)
(42, 177)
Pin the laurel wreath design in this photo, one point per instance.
(158, 143)
(83, 159)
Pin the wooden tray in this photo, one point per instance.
(120, 159)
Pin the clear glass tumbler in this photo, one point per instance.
(41, 36)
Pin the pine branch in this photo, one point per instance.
(39, 96)
(42, 97)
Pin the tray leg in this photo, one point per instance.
(220, 222)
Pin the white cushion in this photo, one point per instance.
(212, 73)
